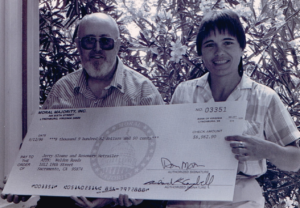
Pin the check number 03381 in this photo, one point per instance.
(212, 109)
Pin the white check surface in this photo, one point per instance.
(172, 152)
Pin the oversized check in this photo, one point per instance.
(171, 152)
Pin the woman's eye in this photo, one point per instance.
(228, 43)
(209, 45)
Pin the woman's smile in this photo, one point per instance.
(220, 62)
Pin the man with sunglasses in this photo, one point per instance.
(103, 81)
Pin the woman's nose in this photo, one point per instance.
(219, 50)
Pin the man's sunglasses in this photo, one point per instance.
(89, 42)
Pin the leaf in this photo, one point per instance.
(281, 51)
(262, 21)
(76, 7)
(195, 71)
(58, 14)
(75, 33)
(160, 67)
(57, 3)
(297, 20)
(232, 2)
(143, 38)
(109, 8)
(171, 74)
(70, 10)
(153, 27)
(148, 56)
(48, 6)
(265, 7)
(71, 21)
(66, 2)
(270, 33)
(159, 5)
(141, 48)
(83, 11)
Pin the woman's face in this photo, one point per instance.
(221, 54)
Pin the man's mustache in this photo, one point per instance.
(96, 54)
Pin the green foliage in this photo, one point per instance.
(158, 40)
(278, 186)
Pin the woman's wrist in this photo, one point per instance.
(272, 150)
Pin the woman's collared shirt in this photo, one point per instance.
(266, 116)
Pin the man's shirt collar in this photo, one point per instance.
(118, 79)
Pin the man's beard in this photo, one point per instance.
(96, 69)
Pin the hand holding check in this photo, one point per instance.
(249, 148)
(14, 198)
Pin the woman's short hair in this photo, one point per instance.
(223, 20)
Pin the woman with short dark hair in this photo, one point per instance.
(269, 131)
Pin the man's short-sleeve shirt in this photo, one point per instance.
(128, 88)
(266, 116)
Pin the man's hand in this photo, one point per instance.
(96, 203)
(123, 200)
(15, 198)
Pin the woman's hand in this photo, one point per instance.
(123, 200)
(249, 148)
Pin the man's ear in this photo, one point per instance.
(77, 42)
(118, 44)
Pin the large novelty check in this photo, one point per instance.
(175, 152)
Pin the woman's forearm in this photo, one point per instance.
(285, 158)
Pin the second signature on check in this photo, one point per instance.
(185, 181)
